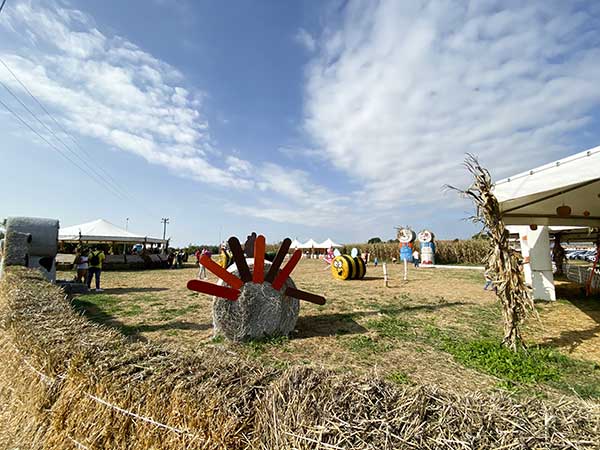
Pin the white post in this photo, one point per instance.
(385, 275)
(540, 259)
(405, 269)
(535, 247)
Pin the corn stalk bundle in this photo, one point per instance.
(504, 266)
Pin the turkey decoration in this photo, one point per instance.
(274, 276)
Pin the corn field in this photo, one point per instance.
(468, 251)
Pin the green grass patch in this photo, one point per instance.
(365, 346)
(536, 365)
(171, 313)
(258, 347)
(391, 327)
(101, 307)
(131, 310)
(398, 377)
(532, 366)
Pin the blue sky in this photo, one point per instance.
(336, 119)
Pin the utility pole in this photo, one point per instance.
(164, 221)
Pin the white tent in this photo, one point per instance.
(529, 202)
(309, 244)
(103, 231)
(532, 197)
(328, 244)
(296, 244)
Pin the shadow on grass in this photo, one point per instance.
(131, 290)
(345, 323)
(96, 314)
(575, 294)
(572, 339)
(327, 325)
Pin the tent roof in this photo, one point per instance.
(329, 244)
(533, 196)
(295, 244)
(102, 231)
(311, 243)
(568, 234)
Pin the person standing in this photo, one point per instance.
(95, 259)
(202, 272)
(415, 256)
(81, 265)
(179, 259)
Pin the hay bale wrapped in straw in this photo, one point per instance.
(260, 311)
(67, 383)
(16, 249)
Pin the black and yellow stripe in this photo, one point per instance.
(345, 267)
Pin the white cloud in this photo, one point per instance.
(401, 90)
(306, 40)
(108, 88)
(239, 166)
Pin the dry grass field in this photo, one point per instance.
(440, 327)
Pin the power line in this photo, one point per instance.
(2, 5)
(105, 173)
(90, 171)
(24, 122)
(115, 186)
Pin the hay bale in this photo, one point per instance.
(44, 233)
(16, 249)
(259, 312)
(66, 383)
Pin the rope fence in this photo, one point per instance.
(50, 381)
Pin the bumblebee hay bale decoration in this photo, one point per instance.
(426, 238)
(254, 298)
(346, 267)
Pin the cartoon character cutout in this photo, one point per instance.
(406, 236)
(329, 256)
(427, 247)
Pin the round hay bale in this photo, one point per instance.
(16, 249)
(44, 234)
(345, 267)
(259, 312)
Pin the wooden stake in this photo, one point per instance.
(276, 264)
(385, 275)
(306, 296)
(213, 289)
(287, 270)
(240, 259)
(258, 275)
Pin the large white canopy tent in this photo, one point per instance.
(314, 246)
(529, 202)
(102, 231)
(532, 197)
(311, 243)
(327, 244)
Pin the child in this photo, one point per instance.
(415, 256)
